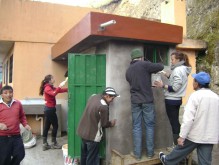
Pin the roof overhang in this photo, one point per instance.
(87, 33)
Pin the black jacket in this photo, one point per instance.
(139, 77)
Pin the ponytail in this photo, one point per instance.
(44, 81)
(186, 59)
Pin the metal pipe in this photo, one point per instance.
(41, 123)
(104, 25)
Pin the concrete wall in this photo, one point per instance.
(120, 136)
(28, 72)
(174, 12)
(35, 27)
(32, 62)
(23, 20)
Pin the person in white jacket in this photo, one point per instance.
(175, 90)
(200, 124)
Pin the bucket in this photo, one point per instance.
(155, 77)
(65, 150)
(67, 159)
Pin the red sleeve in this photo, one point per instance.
(52, 91)
(63, 90)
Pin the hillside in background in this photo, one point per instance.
(202, 23)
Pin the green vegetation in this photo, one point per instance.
(203, 24)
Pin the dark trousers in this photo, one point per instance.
(50, 119)
(11, 150)
(89, 152)
(173, 115)
(204, 152)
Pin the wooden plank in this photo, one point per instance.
(120, 159)
(117, 158)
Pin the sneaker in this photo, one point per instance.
(162, 157)
(150, 156)
(134, 156)
(56, 146)
(46, 146)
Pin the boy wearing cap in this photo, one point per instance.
(200, 124)
(94, 118)
(139, 77)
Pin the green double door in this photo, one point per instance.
(86, 76)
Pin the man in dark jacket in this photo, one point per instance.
(94, 118)
(139, 77)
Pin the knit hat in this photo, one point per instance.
(111, 91)
(136, 53)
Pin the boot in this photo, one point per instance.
(46, 146)
(55, 145)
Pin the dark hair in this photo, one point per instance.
(182, 57)
(6, 87)
(201, 85)
(44, 81)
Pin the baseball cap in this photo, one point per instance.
(111, 91)
(202, 78)
(136, 53)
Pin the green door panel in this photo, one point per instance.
(86, 76)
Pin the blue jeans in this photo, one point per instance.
(89, 152)
(145, 112)
(204, 152)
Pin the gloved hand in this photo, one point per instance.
(62, 84)
(163, 72)
(167, 74)
(3, 126)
